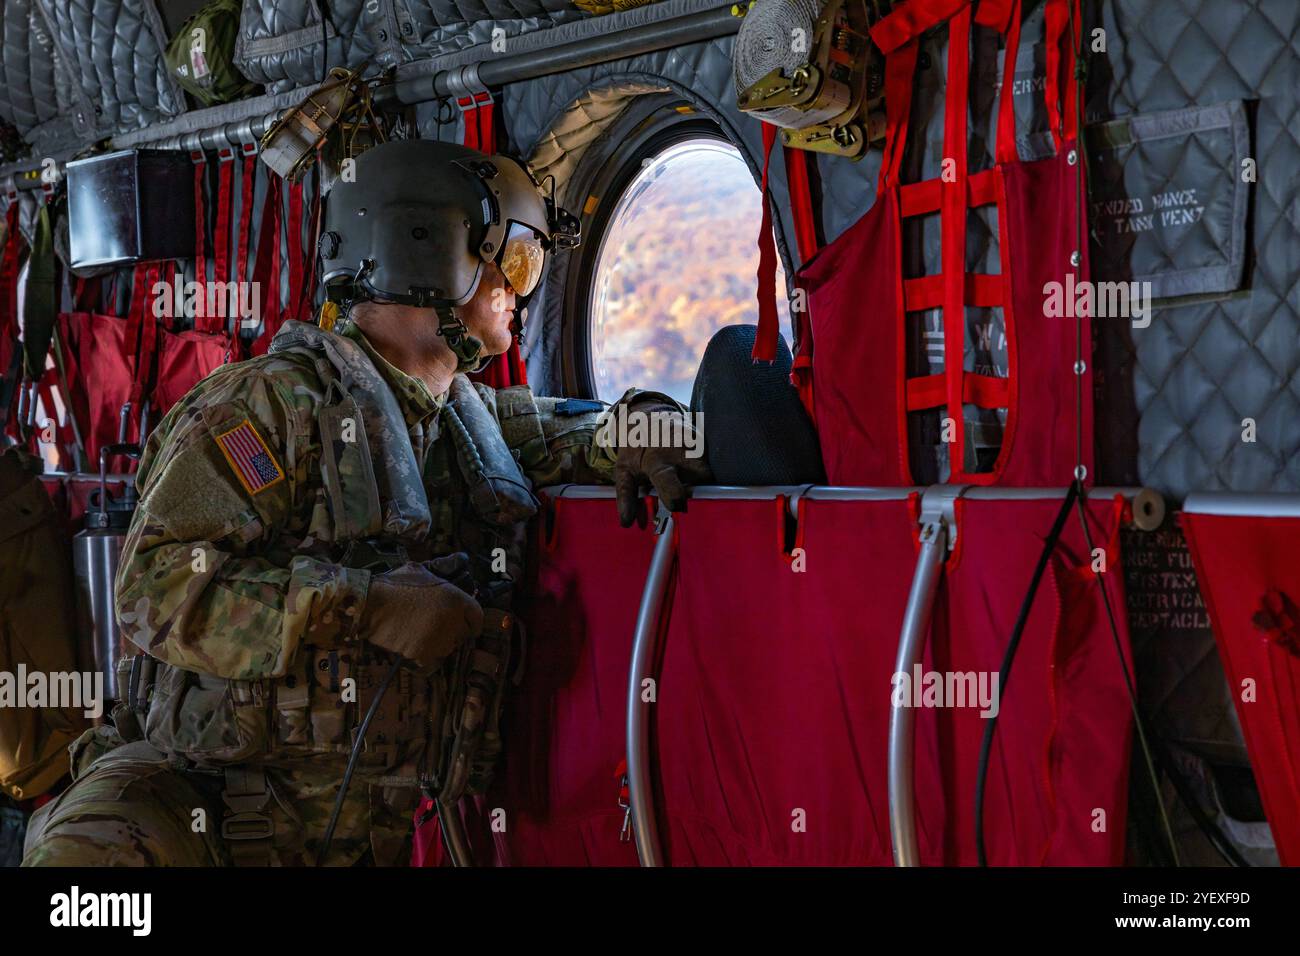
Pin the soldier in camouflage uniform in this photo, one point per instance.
(310, 517)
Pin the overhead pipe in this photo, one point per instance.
(573, 55)
(493, 72)
(1233, 504)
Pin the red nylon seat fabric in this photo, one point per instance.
(1064, 731)
(183, 359)
(100, 372)
(565, 727)
(1250, 579)
(774, 693)
(775, 697)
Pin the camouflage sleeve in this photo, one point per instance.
(200, 585)
(562, 440)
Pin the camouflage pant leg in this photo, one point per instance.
(130, 808)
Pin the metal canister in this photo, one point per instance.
(96, 554)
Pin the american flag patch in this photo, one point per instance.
(249, 456)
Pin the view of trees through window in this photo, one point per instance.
(677, 262)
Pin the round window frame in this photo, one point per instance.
(669, 123)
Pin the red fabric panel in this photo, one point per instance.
(1250, 580)
(855, 295)
(565, 725)
(775, 697)
(1064, 731)
(773, 694)
(100, 373)
(1040, 213)
(183, 359)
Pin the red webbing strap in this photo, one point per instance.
(247, 180)
(9, 272)
(805, 231)
(900, 70)
(293, 229)
(200, 233)
(909, 21)
(478, 110)
(1056, 23)
(142, 333)
(953, 227)
(1005, 148)
(303, 312)
(266, 273)
(487, 137)
(768, 322)
(221, 236)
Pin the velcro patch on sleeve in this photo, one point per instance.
(250, 457)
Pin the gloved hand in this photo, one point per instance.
(668, 469)
(419, 614)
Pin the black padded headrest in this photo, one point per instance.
(756, 431)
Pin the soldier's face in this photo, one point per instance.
(489, 313)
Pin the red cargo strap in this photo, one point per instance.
(952, 211)
(1055, 17)
(765, 341)
(303, 310)
(200, 232)
(805, 231)
(221, 234)
(480, 133)
(294, 231)
(266, 273)
(9, 272)
(142, 333)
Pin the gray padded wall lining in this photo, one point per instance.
(1182, 386)
(34, 87)
(115, 55)
(280, 40)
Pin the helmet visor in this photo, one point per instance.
(522, 258)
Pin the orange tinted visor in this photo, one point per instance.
(523, 258)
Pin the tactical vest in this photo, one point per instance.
(443, 730)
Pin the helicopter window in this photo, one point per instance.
(676, 261)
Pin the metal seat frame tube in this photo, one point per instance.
(645, 828)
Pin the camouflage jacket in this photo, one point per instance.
(238, 569)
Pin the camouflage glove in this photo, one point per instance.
(420, 615)
(666, 467)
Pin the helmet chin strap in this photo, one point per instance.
(467, 349)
